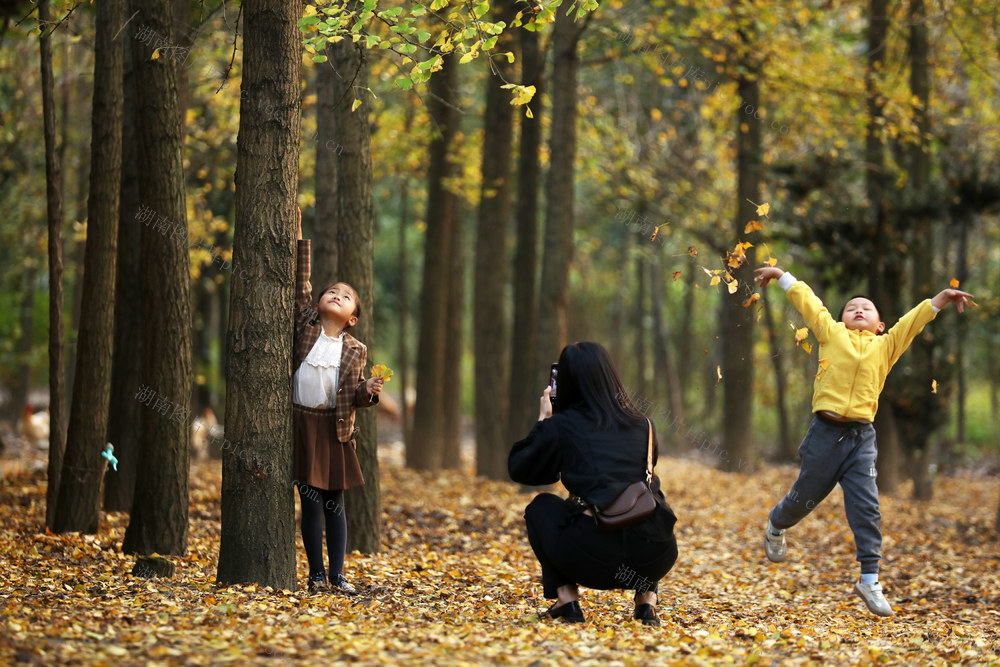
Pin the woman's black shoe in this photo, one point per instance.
(569, 612)
(647, 614)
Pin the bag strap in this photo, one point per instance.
(649, 455)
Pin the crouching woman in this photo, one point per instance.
(597, 443)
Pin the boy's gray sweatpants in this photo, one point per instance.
(833, 453)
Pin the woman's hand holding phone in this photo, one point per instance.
(545, 411)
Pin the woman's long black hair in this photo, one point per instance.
(588, 378)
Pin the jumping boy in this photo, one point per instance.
(840, 443)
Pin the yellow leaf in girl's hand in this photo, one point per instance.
(382, 371)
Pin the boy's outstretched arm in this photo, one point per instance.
(946, 296)
(765, 274)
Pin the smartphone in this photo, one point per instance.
(553, 375)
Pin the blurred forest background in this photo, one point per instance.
(669, 147)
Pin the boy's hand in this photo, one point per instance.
(946, 296)
(374, 386)
(766, 274)
(545, 410)
(299, 225)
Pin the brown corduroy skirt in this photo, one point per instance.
(321, 460)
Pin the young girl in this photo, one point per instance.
(327, 386)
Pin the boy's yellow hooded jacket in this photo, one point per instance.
(853, 363)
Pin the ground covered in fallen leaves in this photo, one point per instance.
(456, 583)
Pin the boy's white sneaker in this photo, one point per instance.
(872, 595)
(774, 545)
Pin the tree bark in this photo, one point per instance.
(159, 519)
(491, 346)
(80, 485)
(53, 200)
(639, 356)
(426, 450)
(736, 333)
(258, 509)
(451, 433)
(524, 379)
(125, 418)
(355, 241)
(560, 199)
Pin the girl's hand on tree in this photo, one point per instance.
(374, 385)
(958, 297)
(299, 224)
(545, 409)
(766, 274)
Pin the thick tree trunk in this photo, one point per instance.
(491, 346)
(328, 149)
(525, 383)
(125, 418)
(560, 200)
(426, 450)
(736, 333)
(402, 342)
(53, 199)
(258, 510)
(159, 519)
(355, 240)
(79, 489)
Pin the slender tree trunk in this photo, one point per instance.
(125, 419)
(878, 205)
(524, 379)
(922, 253)
(560, 200)
(640, 357)
(666, 366)
(355, 239)
(686, 365)
(425, 451)
(491, 347)
(159, 518)
(328, 149)
(404, 302)
(258, 510)
(53, 200)
(786, 446)
(451, 433)
(79, 489)
(736, 334)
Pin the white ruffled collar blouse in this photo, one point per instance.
(317, 378)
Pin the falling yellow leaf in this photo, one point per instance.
(718, 371)
(934, 382)
(753, 226)
(677, 274)
(807, 348)
(692, 251)
(752, 300)
(156, 54)
(733, 286)
(763, 209)
(714, 281)
(656, 232)
(801, 334)
(954, 283)
(772, 261)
